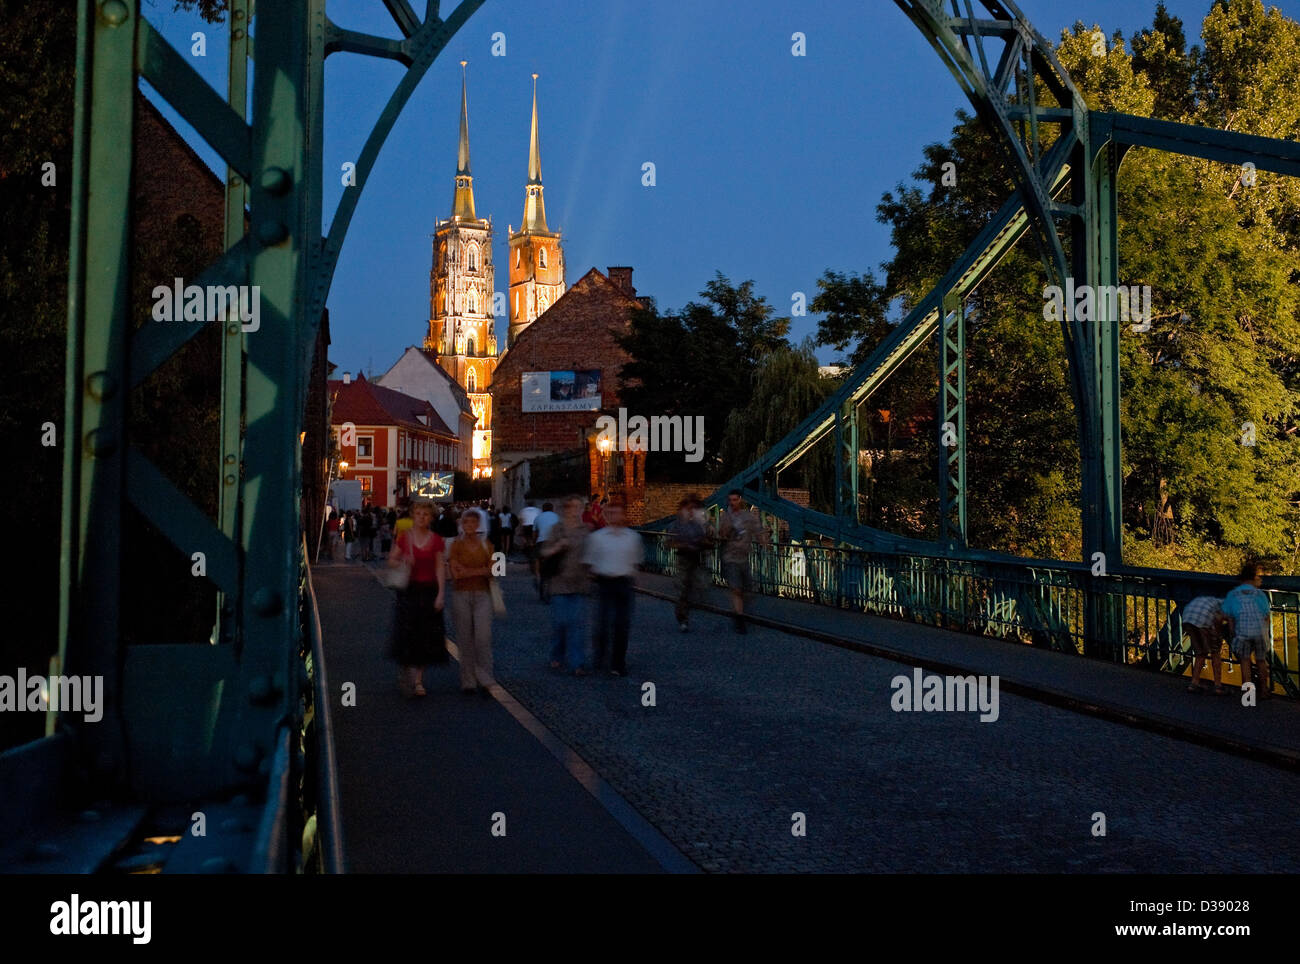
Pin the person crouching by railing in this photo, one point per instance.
(470, 559)
(420, 637)
(1205, 625)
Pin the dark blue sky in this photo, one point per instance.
(769, 166)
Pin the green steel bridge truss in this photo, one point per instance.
(218, 723)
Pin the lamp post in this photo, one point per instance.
(604, 446)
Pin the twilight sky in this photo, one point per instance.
(768, 166)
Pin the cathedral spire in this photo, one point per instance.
(534, 207)
(463, 206)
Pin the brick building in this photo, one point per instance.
(575, 334)
(395, 435)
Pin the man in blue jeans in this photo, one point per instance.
(614, 554)
(569, 583)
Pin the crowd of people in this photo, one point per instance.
(583, 560)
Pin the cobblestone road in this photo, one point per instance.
(749, 730)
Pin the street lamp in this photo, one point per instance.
(604, 446)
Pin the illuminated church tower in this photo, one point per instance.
(536, 259)
(461, 326)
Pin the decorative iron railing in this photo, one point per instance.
(1131, 617)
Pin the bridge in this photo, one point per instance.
(285, 735)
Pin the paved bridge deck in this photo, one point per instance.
(748, 731)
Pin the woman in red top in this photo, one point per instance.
(419, 638)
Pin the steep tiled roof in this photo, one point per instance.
(365, 403)
(457, 390)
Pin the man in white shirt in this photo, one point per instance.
(546, 521)
(613, 554)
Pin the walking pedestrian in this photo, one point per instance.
(332, 529)
(1205, 625)
(366, 535)
(470, 559)
(561, 562)
(420, 635)
(739, 530)
(1250, 623)
(349, 535)
(507, 530)
(593, 514)
(691, 539)
(614, 553)
(546, 520)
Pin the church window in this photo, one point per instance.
(473, 300)
(471, 380)
(471, 347)
(542, 302)
(473, 258)
(517, 257)
(541, 257)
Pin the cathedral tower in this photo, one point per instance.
(462, 329)
(536, 258)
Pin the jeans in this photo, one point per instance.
(568, 629)
(613, 609)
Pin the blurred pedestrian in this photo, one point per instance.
(691, 539)
(740, 528)
(561, 561)
(420, 637)
(614, 553)
(470, 559)
(546, 520)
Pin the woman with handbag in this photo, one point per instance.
(470, 560)
(420, 637)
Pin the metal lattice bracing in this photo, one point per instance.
(229, 725)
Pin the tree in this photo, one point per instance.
(699, 361)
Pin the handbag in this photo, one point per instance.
(498, 603)
(399, 578)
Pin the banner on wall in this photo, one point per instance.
(571, 391)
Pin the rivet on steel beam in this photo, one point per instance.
(247, 756)
(266, 602)
(230, 480)
(261, 688)
(232, 329)
(276, 180)
(230, 460)
(114, 12)
(100, 442)
(237, 34)
(101, 386)
(235, 180)
(272, 232)
(237, 15)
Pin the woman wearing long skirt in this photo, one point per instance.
(470, 560)
(420, 638)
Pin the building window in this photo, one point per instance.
(365, 448)
(367, 484)
(473, 301)
(541, 257)
(473, 257)
(542, 302)
(517, 250)
(471, 379)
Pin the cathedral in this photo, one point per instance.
(462, 323)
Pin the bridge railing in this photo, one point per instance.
(1131, 617)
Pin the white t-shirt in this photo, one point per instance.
(545, 522)
(614, 551)
(528, 515)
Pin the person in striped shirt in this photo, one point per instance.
(1251, 626)
(1205, 625)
